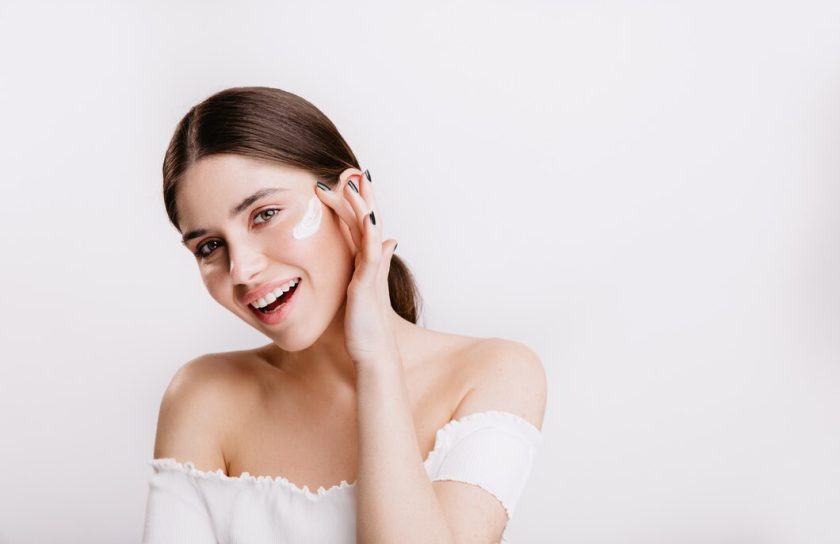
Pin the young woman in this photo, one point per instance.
(407, 434)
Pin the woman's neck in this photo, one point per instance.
(326, 362)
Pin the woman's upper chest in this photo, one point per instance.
(310, 436)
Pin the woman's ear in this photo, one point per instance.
(349, 174)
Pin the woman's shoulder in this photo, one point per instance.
(484, 358)
(197, 407)
(209, 373)
(504, 375)
(204, 391)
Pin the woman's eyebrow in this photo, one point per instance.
(247, 201)
(239, 208)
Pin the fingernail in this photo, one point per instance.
(367, 175)
(372, 218)
(323, 186)
(395, 246)
(353, 185)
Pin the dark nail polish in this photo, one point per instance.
(323, 186)
(395, 247)
(367, 175)
(372, 218)
(353, 186)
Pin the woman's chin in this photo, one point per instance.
(291, 339)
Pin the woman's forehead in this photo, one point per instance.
(218, 188)
(239, 173)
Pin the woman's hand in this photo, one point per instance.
(369, 336)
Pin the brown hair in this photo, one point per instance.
(275, 125)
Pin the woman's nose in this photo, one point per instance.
(245, 264)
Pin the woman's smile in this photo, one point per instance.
(276, 311)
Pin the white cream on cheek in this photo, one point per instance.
(311, 221)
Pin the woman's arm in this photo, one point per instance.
(397, 502)
(395, 498)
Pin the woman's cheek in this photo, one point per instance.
(211, 282)
(310, 223)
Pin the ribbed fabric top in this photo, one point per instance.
(492, 449)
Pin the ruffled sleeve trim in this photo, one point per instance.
(492, 449)
(445, 436)
(457, 428)
(169, 463)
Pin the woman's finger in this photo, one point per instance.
(388, 249)
(367, 193)
(366, 189)
(370, 229)
(350, 191)
(338, 203)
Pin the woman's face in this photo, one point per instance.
(249, 246)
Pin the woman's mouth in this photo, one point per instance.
(276, 311)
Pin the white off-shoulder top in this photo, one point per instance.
(493, 449)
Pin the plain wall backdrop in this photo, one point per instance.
(645, 193)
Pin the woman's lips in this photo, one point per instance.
(263, 290)
(279, 314)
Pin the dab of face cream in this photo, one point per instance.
(311, 221)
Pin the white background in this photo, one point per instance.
(646, 193)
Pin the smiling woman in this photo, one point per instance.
(436, 431)
(278, 127)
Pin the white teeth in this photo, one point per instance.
(274, 295)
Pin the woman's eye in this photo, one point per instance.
(261, 214)
(204, 250)
(200, 250)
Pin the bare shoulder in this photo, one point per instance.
(196, 408)
(504, 375)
